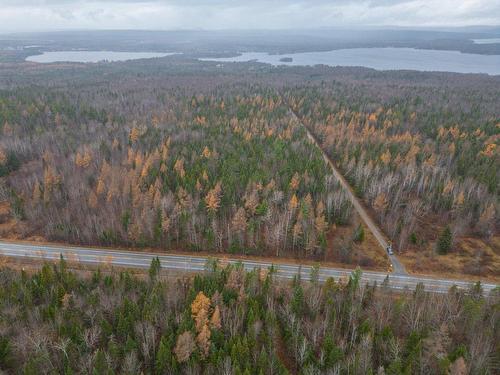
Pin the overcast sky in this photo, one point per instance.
(35, 15)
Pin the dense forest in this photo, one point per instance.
(227, 321)
(410, 159)
(186, 155)
(230, 169)
(425, 159)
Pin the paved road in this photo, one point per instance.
(397, 267)
(197, 264)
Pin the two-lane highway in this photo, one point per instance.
(187, 263)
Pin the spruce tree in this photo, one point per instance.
(444, 241)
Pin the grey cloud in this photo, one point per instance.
(225, 3)
(19, 15)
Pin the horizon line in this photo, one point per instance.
(353, 27)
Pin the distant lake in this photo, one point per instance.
(486, 41)
(381, 59)
(92, 56)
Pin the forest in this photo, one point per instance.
(54, 320)
(183, 155)
(225, 171)
(426, 164)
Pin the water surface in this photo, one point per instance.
(486, 41)
(92, 56)
(382, 59)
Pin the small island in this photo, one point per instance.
(286, 59)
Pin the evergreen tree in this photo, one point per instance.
(164, 357)
(445, 241)
(359, 234)
(154, 268)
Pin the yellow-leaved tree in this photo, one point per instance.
(200, 309)
(295, 181)
(212, 200)
(179, 167)
(294, 202)
(206, 152)
(134, 134)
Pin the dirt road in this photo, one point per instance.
(398, 268)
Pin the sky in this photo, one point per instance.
(42, 15)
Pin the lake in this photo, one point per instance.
(92, 56)
(486, 41)
(381, 59)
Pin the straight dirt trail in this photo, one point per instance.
(398, 268)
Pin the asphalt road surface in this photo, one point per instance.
(397, 266)
(130, 259)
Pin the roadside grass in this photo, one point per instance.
(468, 258)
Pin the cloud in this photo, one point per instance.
(31, 15)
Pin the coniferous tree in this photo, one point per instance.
(445, 241)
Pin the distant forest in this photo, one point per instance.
(15, 47)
